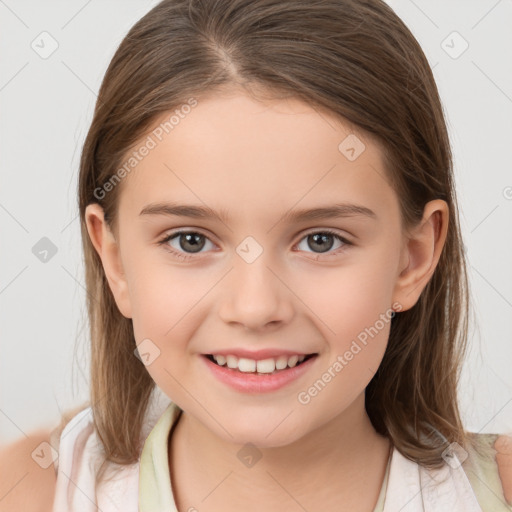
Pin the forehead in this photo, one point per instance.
(256, 158)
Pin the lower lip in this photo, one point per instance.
(255, 383)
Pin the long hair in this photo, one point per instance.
(353, 58)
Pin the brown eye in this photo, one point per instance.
(320, 242)
(190, 242)
(185, 243)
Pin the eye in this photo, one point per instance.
(188, 243)
(323, 240)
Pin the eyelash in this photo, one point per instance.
(186, 256)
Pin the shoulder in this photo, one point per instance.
(503, 447)
(28, 467)
(488, 466)
(27, 474)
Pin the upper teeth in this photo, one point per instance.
(262, 366)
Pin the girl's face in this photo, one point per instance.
(262, 276)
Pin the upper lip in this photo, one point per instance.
(259, 354)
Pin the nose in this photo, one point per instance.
(255, 295)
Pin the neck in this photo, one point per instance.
(343, 461)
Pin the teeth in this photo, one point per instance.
(221, 360)
(281, 362)
(246, 365)
(293, 361)
(232, 361)
(263, 366)
(266, 366)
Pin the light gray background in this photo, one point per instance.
(46, 107)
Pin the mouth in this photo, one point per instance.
(268, 366)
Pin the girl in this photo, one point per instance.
(271, 242)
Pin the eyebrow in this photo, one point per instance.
(204, 212)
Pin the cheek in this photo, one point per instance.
(355, 322)
(164, 319)
(165, 303)
(352, 307)
(348, 299)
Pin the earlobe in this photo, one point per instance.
(108, 250)
(421, 253)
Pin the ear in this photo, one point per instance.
(420, 253)
(108, 250)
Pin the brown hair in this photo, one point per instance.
(352, 58)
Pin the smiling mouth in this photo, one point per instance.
(255, 372)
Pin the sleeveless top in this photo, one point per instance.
(145, 486)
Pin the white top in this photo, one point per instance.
(145, 485)
(80, 457)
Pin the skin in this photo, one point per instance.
(258, 160)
